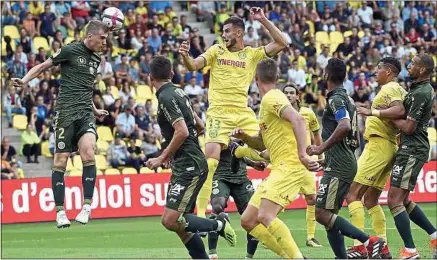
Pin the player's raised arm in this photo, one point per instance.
(279, 41)
(190, 63)
(32, 73)
(396, 110)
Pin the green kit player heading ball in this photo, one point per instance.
(75, 113)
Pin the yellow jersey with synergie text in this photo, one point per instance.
(389, 93)
(231, 74)
(277, 133)
(311, 122)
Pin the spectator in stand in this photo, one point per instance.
(192, 89)
(47, 22)
(126, 123)
(9, 153)
(154, 41)
(136, 157)
(250, 39)
(7, 172)
(12, 104)
(122, 70)
(366, 15)
(296, 75)
(142, 122)
(16, 68)
(149, 147)
(30, 144)
(105, 69)
(324, 57)
(80, 11)
(25, 41)
(117, 154)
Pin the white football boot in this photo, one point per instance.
(62, 219)
(84, 215)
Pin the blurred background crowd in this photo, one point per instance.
(360, 33)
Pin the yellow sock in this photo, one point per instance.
(245, 151)
(311, 221)
(379, 223)
(261, 233)
(356, 211)
(284, 238)
(205, 191)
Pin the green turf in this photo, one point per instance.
(146, 238)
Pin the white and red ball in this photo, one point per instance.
(113, 18)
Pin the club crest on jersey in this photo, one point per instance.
(81, 60)
(221, 51)
(242, 55)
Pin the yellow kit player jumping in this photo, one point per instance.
(283, 134)
(232, 70)
(375, 163)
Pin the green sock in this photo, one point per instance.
(252, 244)
(88, 180)
(418, 217)
(196, 248)
(402, 222)
(58, 187)
(336, 240)
(349, 230)
(212, 242)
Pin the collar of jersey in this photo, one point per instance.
(163, 87)
(334, 91)
(419, 83)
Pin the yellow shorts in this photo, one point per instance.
(220, 121)
(375, 163)
(309, 184)
(282, 186)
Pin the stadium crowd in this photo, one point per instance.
(361, 33)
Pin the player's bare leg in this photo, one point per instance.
(337, 227)
(311, 221)
(87, 144)
(212, 152)
(58, 187)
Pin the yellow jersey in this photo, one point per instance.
(389, 93)
(277, 134)
(231, 74)
(311, 122)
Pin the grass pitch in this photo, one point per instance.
(146, 238)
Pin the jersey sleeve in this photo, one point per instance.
(259, 53)
(418, 103)
(338, 107)
(62, 55)
(170, 107)
(314, 123)
(395, 94)
(275, 103)
(210, 54)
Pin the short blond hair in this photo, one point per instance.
(96, 26)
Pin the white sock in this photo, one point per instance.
(366, 243)
(411, 250)
(433, 235)
(219, 225)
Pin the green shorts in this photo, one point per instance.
(183, 190)
(405, 171)
(332, 192)
(241, 192)
(69, 132)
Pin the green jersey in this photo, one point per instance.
(78, 73)
(340, 159)
(418, 104)
(173, 106)
(224, 172)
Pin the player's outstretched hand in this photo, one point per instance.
(16, 82)
(314, 150)
(184, 48)
(310, 164)
(238, 133)
(364, 111)
(257, 13)
(100, 113)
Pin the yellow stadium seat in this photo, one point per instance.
(70, 166)
(102, 146)
(39, 42)
(144, 92)
(138, 142)
(129, 170)
(336, 37)
(68, 40)
(432, 135)
(112, 171)
(45, 151)
(347, 34)
(146, 170)
(76, 173)
(322, 37)
(105, 134)
(3, 50)
(361, 34)
(101, 162)
(115, 92)
(11, 31)
(311, 26)
(19, 122)
(77, 162)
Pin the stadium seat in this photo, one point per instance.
(312, 27)
(68, 40)
(361, 34)
(102, 146)
(76, 173)
(112, 171)
(146, 170)
(129, 170)
(11, 31)
(70, 166)
(347, 34)
(77, 162)
(336, 37)
(432, 135)
(101, 162)
(99, 172)
(138, 142)
(115, 92)
(40, 42)
(45, 151)
(3, 50)
(19, 122)
(144, 92)
(105, 134)
(322, 37)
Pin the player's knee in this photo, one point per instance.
(370, 200)
(265, 218)
(87, 153)
(322, 216)
(248, 222)
(393, 200)
(169, 222)
(60, 160)
(310, 200)
(212, 150)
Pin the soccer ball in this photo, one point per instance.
(113, 18)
